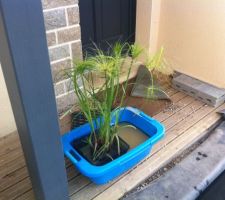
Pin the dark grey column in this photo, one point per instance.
(26, 68)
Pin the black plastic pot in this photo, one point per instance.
(86, 151)
(79, 119)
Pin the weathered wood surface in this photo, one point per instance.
(186, 121)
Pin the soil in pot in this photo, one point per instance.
(86, 151)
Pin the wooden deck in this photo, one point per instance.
(187, 122)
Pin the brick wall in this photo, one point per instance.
(64, 43)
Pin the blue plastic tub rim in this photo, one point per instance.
(95, 171)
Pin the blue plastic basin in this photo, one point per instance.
(107, 172)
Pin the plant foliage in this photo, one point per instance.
(96, 82)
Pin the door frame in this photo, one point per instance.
(147, 24)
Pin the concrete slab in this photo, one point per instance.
(144, 82)
(200, 90)
(192, 175)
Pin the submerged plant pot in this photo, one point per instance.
(105, 173)
(79, 119)
(86, 151)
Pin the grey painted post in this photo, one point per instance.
(26, 68)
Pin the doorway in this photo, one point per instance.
(104, 22)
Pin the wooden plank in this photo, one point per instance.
(195, 103)
(182, 126)
(13, 171)
(10, 137)
(9, 143)
(182, 114)
(14, 174)
(170, 91)
(178, 104)
(12, 166)
(72, 172)
(188, 120)
(87, 182)
(77, 184)
(13, 178)
(89, 190)
(16, 190)
(29, 195)
(74, 185)
(156, 161)
(93, 190)
(8, 157)
(168, 137)
(14, 160)
(176, 97)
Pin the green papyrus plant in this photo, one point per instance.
(98, 99)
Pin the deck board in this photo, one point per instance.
(169, 122)
(158, 159)
(185, 123)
